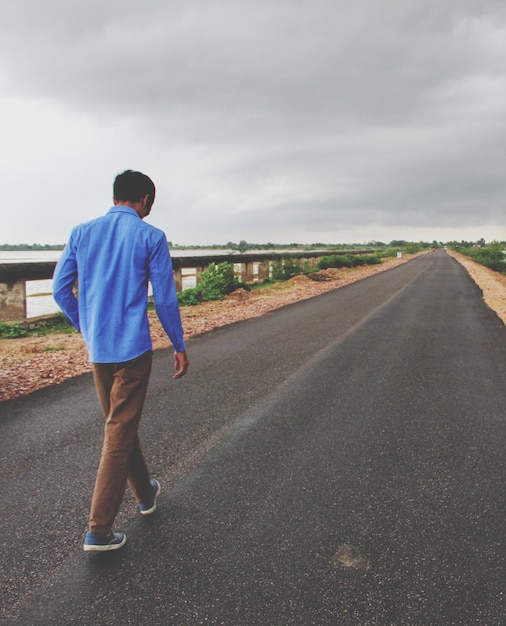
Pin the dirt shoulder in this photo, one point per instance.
(31, 363)
(492, 284)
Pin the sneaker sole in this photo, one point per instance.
(153, 508)
(106, 548)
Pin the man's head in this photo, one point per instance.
(134, 188)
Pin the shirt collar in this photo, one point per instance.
(120, 208)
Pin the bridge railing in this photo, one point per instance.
(250, 268)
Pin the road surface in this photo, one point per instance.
(339, 461)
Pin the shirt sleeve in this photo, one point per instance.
(64, 278)
(164, 293)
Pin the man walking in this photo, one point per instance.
(113, 257)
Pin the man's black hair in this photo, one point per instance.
(131, 186)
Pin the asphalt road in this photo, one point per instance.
(339, 461)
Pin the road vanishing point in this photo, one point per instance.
(339, 461)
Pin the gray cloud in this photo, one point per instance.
(269, 119)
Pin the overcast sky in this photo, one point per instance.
(264, 120)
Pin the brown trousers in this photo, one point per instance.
(121, 389)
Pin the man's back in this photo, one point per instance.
(114, 255)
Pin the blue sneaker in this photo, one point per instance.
(149, 507)
(93, 542)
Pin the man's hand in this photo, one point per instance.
(181, 364)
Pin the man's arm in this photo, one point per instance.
(166, 303)
(64, 278)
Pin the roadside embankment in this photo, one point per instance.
(492, 284)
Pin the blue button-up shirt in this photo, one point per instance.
(113, 257)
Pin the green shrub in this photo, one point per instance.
(190, 297)
(384, 254)
(218, 281)
(491, 256)
(336, 261)
(57, 324)
(50, 326)
(346, 260)
(284, 269)
(308, 268)
(215, 283)
(13, 331)
(372, 260)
